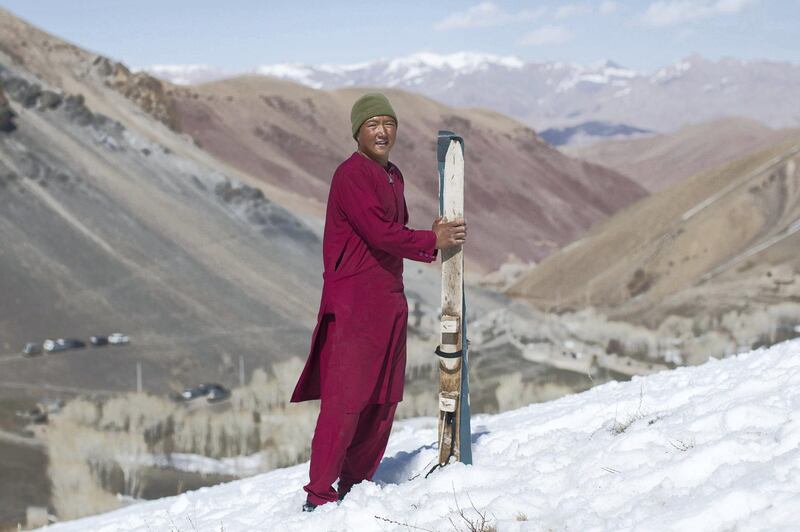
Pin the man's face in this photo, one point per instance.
(376, 138)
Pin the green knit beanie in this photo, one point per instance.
(369, 105)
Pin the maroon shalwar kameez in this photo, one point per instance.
(357, 360)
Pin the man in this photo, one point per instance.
(358, 350)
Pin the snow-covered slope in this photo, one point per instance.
(708, 448)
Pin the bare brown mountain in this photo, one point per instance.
(721, 249)
(660, 161)
(523, 196)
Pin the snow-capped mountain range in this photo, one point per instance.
(556, 94)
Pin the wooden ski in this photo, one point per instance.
(454, 425)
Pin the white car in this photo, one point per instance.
(31, 349)
(118, 339)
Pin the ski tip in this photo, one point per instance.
(447, 135)
(443, 143)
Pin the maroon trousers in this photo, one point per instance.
(347, 446)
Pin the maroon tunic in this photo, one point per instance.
(358, 349)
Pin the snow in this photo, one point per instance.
(291, 71)
(605, 73)
(236, 466)
(185, 74)
(342, 69)
(410, 69)
(407, 69)
(711, 448)
(671, 72)
(464, 62)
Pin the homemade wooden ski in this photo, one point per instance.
(454, 425)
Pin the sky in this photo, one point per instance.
(238, 35)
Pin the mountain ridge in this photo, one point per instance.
(558, 94)
(659, 161)
(674, 261)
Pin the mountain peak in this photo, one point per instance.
(463, 61)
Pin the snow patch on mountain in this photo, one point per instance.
(463, 62)
(605, 73)
(713, 448)
(185, 74)
(293, 72)
(671, 72)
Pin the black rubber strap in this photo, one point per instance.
(440, 353)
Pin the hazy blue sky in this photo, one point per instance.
(242, 34)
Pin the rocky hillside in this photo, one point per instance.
(113, 221)
(75, 70)
(107, 230)
(659, 161)
(6, 114)
(713, 259)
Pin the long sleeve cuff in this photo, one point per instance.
(428, 251)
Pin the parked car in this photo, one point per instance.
(118, 339)
(193, 393)
(51, 345)
(98, 340)
(31, 349)
(33, 415)
(62, 344)
(71, 343)
(51, 406)
(217, 393)
(213, 392)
